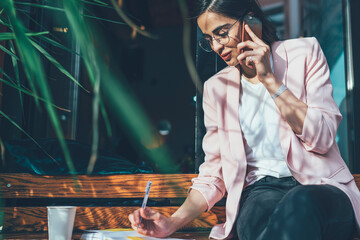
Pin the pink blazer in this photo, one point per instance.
(312, 157)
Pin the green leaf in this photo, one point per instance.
(7, 76)
(129, 112)
(28, 135)
(36, 34)
(36, 75)
(8, 52)
(122, 103)
(187, 48)
(6, 36)
(47, 7)
(32, 85)
(106, 118)
(2, 21)
(40, 6)
(129, 22)
(11, 36)
(16, 70)
(57, 64)
(97, 4)
(59, 45)
(103, 19)
(80, 30)
(32, 20)
(101, 2)
(25, 91)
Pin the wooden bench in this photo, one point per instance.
(104, 202)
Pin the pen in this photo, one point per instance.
(147, 191)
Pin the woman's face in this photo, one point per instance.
(212, 24)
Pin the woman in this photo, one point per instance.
(270, 143)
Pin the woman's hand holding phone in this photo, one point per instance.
(255, 53)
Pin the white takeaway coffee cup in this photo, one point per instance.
(60, 222)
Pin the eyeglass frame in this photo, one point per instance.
(224, 35)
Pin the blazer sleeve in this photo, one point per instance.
(323, 116)
(210, 179)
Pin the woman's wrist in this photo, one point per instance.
(281, 89)
(272, 84)
(194, 205)
(175, 223)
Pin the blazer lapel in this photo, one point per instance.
(232, 114)
(236, 175)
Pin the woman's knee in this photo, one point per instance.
(301, 202)
(315, 209)
(304, 195)
(324, 201)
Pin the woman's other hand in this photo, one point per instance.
(152, 224)
(155, 224)
(257, 57)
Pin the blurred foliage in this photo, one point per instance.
(108, 89)
(26, 53)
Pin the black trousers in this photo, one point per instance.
(283, 209)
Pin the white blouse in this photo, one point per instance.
(259, 124)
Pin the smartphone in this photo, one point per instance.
(255, 25)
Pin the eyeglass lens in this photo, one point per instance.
(223, 39)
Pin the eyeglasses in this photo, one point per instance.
(206, 43)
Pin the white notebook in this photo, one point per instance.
(116, 234)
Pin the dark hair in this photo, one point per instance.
(236, 9)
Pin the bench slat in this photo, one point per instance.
(34, 219)
(107, 186)
(357, 180)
